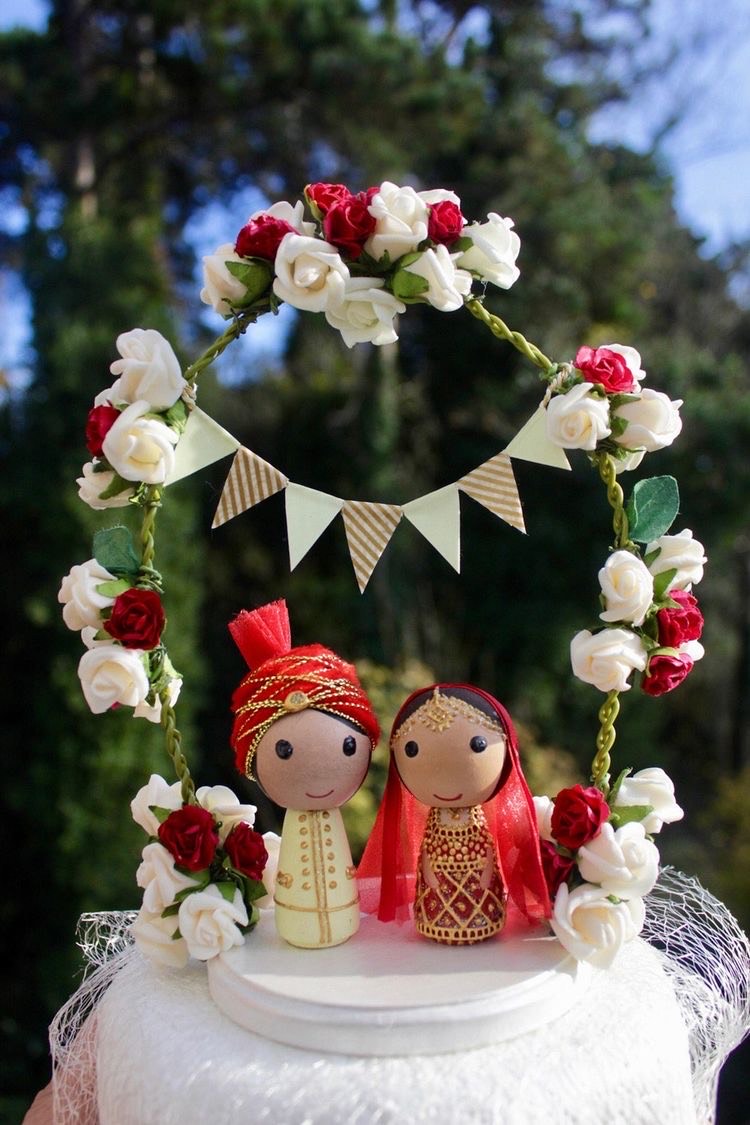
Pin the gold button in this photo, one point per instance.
(305, 870)
(328, 842)
(303, 816)
(303, 831)
(305, 886)
(331, 870)
(326, 814)
(333, 884)
(331, 855)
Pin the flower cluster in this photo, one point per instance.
(360, 258)
(201, 872)
(600, 859)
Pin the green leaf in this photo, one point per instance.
(407, 286)
(227, 890)
(652, 508)
(254, 889)
(615, 789)
(177, 415)
(115, 551)
(662, 583)
(117, 485)
(171, 911)
(626, 814)
(160, 813)
(255, 274)
(114, 588)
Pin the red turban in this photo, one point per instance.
(284, 680)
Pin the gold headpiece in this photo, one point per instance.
(438, 712)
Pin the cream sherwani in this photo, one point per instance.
(317, 903)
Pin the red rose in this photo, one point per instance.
(137, 619)
(600, 365)
(325, 196)
(247, 851)
(368, 195)
(556, 867)
(445, 222)
(348, 225)
(190, 835)
(681, 623)
(98, 424)
(578, 815)
(261, 237)
(666, 672)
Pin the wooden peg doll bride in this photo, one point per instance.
(304, 730)
(454, 751)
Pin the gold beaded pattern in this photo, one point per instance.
(438, 712)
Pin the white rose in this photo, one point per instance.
(112, 674)
(632, 359)
(653, 787)
(140, 448)
(591, 927)
(653, 421)
(149, 370)
(82, 604)
(310, 273)
(160, 879)
(366, 313)
(91, 639)
(629, 461)
(400, 221)
(439, 195)
(152, 711)
(153, 936)
(289, 214)
(92, 484)
(494, 251)
(156, 793)
(209, 924)
(544, 807)
(693, 649)
(681, 553)
(606, 659)
(447, 285)
(221, 289)
(273, 845)
(579, 419)
(623, 862)
(226, 808)
(628, 588)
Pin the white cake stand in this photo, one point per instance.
(388, 991)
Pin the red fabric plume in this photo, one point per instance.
(262, 633)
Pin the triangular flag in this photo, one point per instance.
(308, 514)
(250, 480)
(532, 444)
(438, 516)
(369, 528)
(203, 442)
(494, 486)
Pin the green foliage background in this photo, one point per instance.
(125, 119)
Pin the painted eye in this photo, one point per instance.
(478, 743)
(411, 749)
(284, 749)
(350, 746)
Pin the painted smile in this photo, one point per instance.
(319, 796)
(439, 798)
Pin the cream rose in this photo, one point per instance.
(591, 927)
(627, 587)
(681, 553)
(152, 711)
(158, 793)
(226, 808)
(79, 596)
(544, 807)
(294, 215)
(310, 273)
(273, 845)
(653, 421)
(112, 674)
(209, 924)
(629, 461)
(631, 357)
(607, 659)
(93, 483)
(221, 289)
(653, 787)
(447, 285)
(160, 879)
(366, 313)
(622, 861)
(154, 937)
(579, 419)
(139, 448)
(494, 251)
(439, 195)
(149, 370)
(400, 221)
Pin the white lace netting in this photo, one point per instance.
(701, 948)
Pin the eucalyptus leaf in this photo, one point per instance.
(652, 508)
(114, 549)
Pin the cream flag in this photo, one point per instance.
(250, 480)
(494, 486)
(203, 442)
(438, 516)
(369, 528)
(532, 444)
(308, 514)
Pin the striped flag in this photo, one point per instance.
(250, 480)
(494, 486)
(369, 528)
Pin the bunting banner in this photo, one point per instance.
(369, 526)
